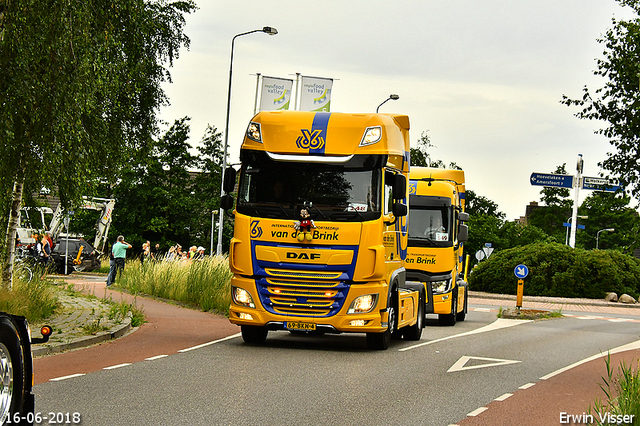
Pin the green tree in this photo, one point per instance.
(81, 82)
(617, 102)
(605, 211)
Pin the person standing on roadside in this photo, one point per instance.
(119, 251)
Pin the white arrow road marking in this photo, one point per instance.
(496, 325)
(492, 362)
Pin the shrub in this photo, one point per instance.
(560, 271)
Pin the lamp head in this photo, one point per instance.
(270, 30)
(394, 97)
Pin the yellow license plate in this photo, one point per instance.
(301, 326)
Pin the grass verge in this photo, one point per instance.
(35, 300)
(201, 283)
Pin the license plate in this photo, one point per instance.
(301, 326)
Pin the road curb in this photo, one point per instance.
(82, 342)
(554, 300)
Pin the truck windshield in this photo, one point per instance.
(429, 226)
(279, 189)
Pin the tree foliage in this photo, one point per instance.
(79, 91)
(617, 102)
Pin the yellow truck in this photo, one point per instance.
(320, 232)
(437, 231)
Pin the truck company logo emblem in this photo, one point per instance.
(306, 256)
(310, 139)
(256, 231)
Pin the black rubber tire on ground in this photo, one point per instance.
(414, 332)
(463, 314)
(12, 380)
(450, 319)
(254, 334)
(380, 341)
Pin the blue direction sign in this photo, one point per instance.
(599, 184)
(568, 225)
(521, 271)
(552, 180)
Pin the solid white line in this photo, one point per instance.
(627, 347)
(57, 379)
(503, 397)
(211, 343)
(496, 325)
(113, 367)
(153, 358)
(527, 386)
(477, 411)
(481, 309)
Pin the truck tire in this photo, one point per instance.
(414, 332)
(12, 380)
(463, 314)
(450, 319)
(380, 341)
(254, 334)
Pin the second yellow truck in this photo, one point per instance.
(437, 231)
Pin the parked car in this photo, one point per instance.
(87, 261)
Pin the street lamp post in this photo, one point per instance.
(391, 97)
(598, 235)
(266, 30)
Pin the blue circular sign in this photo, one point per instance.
(521, 271)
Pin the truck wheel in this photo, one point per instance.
(450, 319)
(254, 334)
(415, 331)
(463, 314)
(12, 380)
(380, 341)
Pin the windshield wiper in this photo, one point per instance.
(346, 215)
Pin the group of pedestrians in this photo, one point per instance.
(175, 253)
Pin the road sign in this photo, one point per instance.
(521, 271)
(600, 184)
(552, 180)
(568, 225)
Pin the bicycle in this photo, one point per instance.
(22, 267)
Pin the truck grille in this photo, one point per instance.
(302, 298)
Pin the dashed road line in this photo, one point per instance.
(477, 411)
(71, 376)
(210, 343)
(503, 397)
(153, 358)
(527, 386)
(113, 367)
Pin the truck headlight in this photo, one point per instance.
(440, 287)
(242, 297)
(363, 304)
(371, 136)
(254, 133)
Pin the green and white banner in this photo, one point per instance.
(275, 94)
(315, 94)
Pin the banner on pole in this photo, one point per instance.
(315, 94)
(275, 94)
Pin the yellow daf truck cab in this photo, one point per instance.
(436, 235)
(320, 233)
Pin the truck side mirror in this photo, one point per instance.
(229, 183)
(226, 202)
(463, 217)
(399, 209)
(463, 233)
(399, 187)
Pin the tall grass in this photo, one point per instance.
(622, 394)
(203, 283)
(35, 300)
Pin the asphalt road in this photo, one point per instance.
(335, 379)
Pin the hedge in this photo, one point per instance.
(559, 271)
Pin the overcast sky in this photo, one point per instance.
(485, 78)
